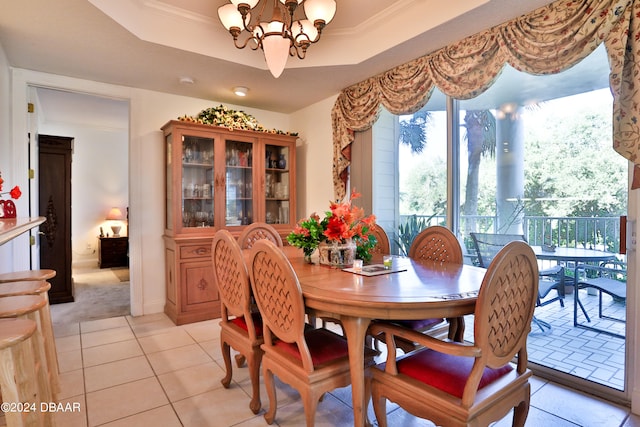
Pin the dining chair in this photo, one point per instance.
(258, 231)
(468, 384)
(240, 327)
(487, 246)
(313, 361)
(436, 243)
(382, 247)
(439, 244)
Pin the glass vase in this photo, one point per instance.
(337, 254)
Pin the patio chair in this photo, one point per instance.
(610, 278)
(463, 384)
(487, 245)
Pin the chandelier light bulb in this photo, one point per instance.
(278, 35)
(320, 10)
(230, 17)
(276, 52)
(250, 3)
(302, 28)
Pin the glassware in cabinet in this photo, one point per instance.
(277, 183)
(197, 181)
(239, 183)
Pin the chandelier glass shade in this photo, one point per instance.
(281, 34)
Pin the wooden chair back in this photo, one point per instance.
(240, 327)
(382, 247)
(279, 298)
(232, 277)
(311, 360)
(436, 243)
(508, 296)
(258, 231)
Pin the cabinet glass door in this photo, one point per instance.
(197, 181)
(169, 183)
(277, 179)
(239, 183)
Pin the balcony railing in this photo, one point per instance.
(601, 233)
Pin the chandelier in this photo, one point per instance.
(280, 34)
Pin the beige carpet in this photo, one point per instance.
(99, 294)
(121, 273)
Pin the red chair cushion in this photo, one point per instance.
(324, 346)
(257, 323)
(445, 372)
(418, 324)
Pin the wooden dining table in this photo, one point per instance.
(421, 290)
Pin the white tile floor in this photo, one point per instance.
(127, 371)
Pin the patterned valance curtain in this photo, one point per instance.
(545, 41)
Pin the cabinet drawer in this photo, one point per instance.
(195, 251)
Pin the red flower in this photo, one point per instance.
(15, 192)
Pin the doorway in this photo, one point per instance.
(99, 173)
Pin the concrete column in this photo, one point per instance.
(509, 170)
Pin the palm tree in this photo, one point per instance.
(412, 132)
(481, 141)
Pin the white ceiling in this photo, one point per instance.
(151, 44)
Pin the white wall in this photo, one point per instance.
(5, 147)
(148, 112)
(315, 157)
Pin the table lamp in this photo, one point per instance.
(115, 214)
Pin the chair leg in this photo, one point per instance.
(541, 324)
(269, 384)
(520, 413)
(310, 403)
(576, 303)
(240, 359)
(379, 405)
(226, 355)
(254, 374)
(600, 303)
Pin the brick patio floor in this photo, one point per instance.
(587, 354)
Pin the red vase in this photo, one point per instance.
(7, 209)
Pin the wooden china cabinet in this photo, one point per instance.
(218, 178)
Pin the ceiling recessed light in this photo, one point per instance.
(186, 80)
(240, 90)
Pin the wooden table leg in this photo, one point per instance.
(355, 329)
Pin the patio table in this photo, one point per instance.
(576, 255)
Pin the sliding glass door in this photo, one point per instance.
(532, 157)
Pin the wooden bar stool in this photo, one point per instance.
(34, 287)
(17, 276)
(18, 380)
(28, 307)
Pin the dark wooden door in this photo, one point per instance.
(54, 169)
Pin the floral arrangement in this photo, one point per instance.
(231, 119)
(7, 207)
(342, 222)
(15, 192)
